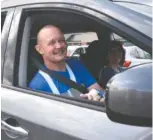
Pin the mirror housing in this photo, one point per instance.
(129, 96)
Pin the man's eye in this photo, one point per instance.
(62, 41)
(52, 43)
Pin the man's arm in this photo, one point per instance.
(90, 83)
(95, 86)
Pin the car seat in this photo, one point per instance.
(31, 67)
(93, 59)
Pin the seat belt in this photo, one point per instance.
(53, 86)
(60, 78)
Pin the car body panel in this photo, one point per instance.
(63, 117)
(123, 14)
(140, 8)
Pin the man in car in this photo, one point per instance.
(51, 45)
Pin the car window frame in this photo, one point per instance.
(4, 35)
(74, 101)
(12, 45)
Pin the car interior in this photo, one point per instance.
(68, 22)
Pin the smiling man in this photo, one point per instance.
(52, 46)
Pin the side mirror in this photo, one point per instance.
(129, 96)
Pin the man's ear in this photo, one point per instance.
(39, 49)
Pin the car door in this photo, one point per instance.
(13, 126)
(19, 123)
(30, 115)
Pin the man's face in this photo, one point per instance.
(52, 45)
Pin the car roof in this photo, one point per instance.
(12, 3)
(9, 3)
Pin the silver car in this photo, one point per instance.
(34, 115)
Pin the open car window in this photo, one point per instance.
(31, 24)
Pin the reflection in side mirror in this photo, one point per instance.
(129, 96)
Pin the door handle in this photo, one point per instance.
(13, 131)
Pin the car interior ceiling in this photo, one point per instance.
(68, 23)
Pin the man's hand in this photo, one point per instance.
(92, 95)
